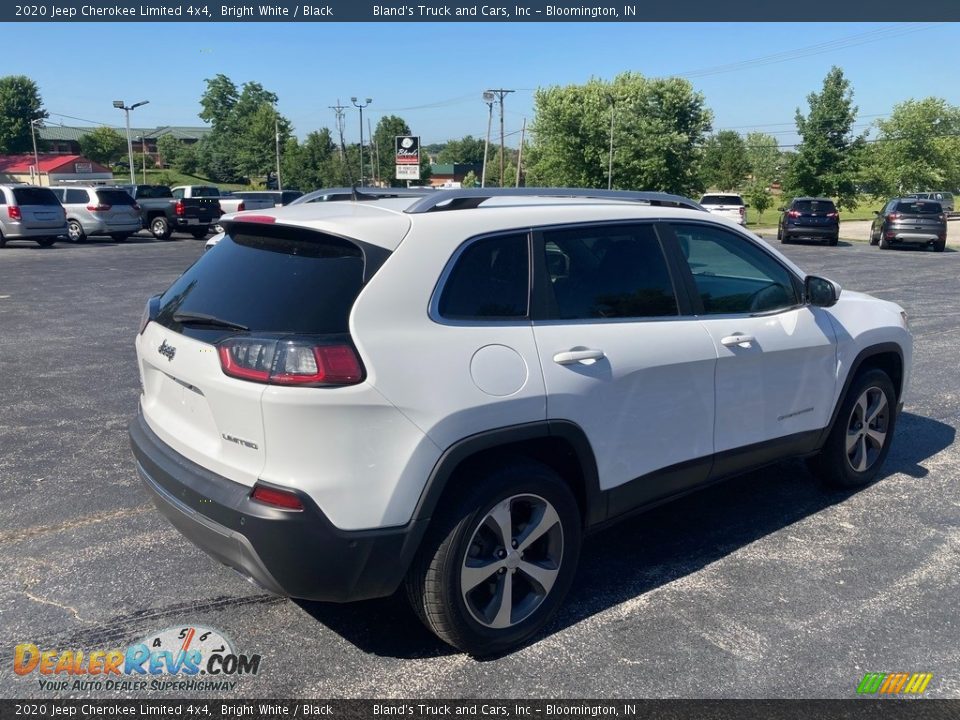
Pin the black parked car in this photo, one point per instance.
(814, 218)
(910, 220)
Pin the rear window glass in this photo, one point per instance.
(34, 196)
(115, 197)
(151, 192)
(920, 207)
(721, 200)
(815, 206)
(204, 191)
(274, 280)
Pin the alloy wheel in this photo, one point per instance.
(867, 429)
(512, 561)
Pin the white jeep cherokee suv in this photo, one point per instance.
(447, 392)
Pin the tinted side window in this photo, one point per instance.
(608, 272)
(76, 197)
(732, 274)
(178, 193)
(490, 280)
(115, 197)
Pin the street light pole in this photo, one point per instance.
(120, 106)
(488, 98)
(36, 157)
(361, 106)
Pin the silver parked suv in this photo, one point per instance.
(33, 213)
(98, 211)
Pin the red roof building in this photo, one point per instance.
(53, 169)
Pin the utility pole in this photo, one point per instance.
(276, 130)
(523, 133)
(361, 106)
(374, 154)
(338, 111)
(610, 161)
(500, 93)
(489, 98)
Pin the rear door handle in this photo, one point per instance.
(736, 339)
(568, 357)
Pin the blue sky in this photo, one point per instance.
(753, 75)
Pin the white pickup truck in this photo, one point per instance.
(228, 203)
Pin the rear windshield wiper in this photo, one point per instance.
(192, 318)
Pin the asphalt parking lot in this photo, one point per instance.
(765, 586)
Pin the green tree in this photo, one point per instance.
(382, 149)
(759, 197)
(467, 149)
(244, 122)
(313, 164)
(725, 162)
(470, 180)
(169, 149)
(764, 157)
(918, 147)
(659, 129)
(103, 145)
(19, 104)
(827, 158)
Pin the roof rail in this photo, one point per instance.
(360, 193)
(462, 199)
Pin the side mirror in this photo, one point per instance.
(877, 212)
(781, 209)
(820, 292)
(746, 206)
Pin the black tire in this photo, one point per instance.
(120, 237)
(459, 527)
(46, 241)
(199, 233)
(785, 239)
(940, 246)
(834, 464)
(75, 232)
(3, 241)
(160, 228)
(883, 243)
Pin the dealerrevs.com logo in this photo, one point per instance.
(894, 683)
(189, 658)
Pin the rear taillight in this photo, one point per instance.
(893, 216)
(743, 212)
(178, 209)
(833, 215)
(241, 207)
(99, 207)
(794, 213)
(290, 362)
(266, 219)
(14, 212)
(285, 499)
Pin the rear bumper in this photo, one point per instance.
(812, 231)
(300, 554)
(913, 236)
(18, 232)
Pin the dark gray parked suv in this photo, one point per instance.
(911, 221)
(32, 213)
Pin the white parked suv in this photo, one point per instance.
(728, 205)
(447, 392)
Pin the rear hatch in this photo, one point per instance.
(813, 213)
(729, 206)
(117, 208)
(924, 215)
(198, 211)
(39, 208)
(255, 301)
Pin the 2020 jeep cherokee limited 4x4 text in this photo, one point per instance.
(446, 392)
